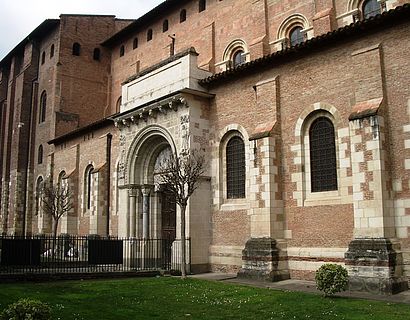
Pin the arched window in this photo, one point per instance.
(296, 36)
(165, 26)
(235, 168)
(43, 107)
(323, 168)
(97, 54)
(370, 8)
(52, 51)
(182, 16)
(135, 43)
(76, 49)
(118, 104)
(39, 193)
(149, 35)
(202, 5)
(236, 53)
(122, 51)
(40, 154)
(43, 57)
(238, 58)
(88, 182)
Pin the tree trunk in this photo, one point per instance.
(183, 236)
(55, 226)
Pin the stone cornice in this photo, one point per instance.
(150, 111)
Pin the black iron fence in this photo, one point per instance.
(88, 254)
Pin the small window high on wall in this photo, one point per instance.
(97, 54)
(371, 8)
(202, 5)
(165, 26)
(296, 36)
(149, 35)
(76, 49)
(52, 51)
(182, 16)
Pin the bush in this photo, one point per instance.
(27, 309)
(331, 278)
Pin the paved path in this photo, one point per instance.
(300, 285)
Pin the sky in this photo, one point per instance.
(19, 17)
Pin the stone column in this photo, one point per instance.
(145, 190)
(133, 193)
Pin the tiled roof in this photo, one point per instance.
(391, 17)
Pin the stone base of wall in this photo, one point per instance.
(373, 267)
(261, 261)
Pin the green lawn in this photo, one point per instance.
(173, 298)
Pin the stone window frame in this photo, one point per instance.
(135, 43)
(88, 188)
(354, 9)
(43, 57)
(227, 204)
(38, 196)
(229, 53)
(287, 26)
(303, 181)
(122, 50)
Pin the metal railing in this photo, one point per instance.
(88, 254)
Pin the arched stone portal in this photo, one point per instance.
(149, 206)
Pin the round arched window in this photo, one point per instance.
(370, 8)
(238, 58)
(296, 36)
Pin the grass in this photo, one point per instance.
(173, 298)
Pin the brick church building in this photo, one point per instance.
(302, 109)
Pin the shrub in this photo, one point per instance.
(331, 278)
(27, 309)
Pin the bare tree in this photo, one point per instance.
(181, 174)
(55, 202)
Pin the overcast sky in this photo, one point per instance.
(19, 17)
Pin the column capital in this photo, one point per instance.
(146, 189)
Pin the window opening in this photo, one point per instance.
(296, 36)
(371, 8)
(76, 49)
(149, 35)
(97, 54)
(322, 155)
(202, 5)
(182, 16)
(165, 26)
(235, 168)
